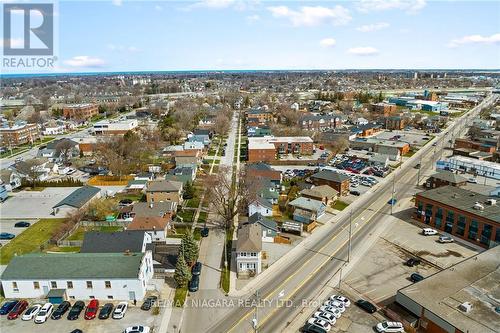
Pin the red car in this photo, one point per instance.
(17, 310)
(92, 309)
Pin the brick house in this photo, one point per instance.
(445, 178)
(80, 111)
(267, 148)
(339, 182)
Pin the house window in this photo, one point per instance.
(243, 254)
(89, 284)
(461, 225)
(107, 284)
(36, 285)
(69, 284)
(473, 230)
(14, 287)
(53, 284)
(110, 297)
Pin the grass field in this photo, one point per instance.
(340, 205)
(80, 232)
(180, 297)
(30, 239)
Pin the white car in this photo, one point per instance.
(345, 300)
(429, 232)
(445, 239)
(336, 304)
(31, 312)
(44, 313)
(331, 309)
(472, 180)
(326, 316)
(120, 310)
(137, 329)
(389, 327)
(320, 323)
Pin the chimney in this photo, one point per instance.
(127, 252)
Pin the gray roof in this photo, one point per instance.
(79, 197)
(321, 191)
(263, 202)
(464, 200)
(157, 209)
(249, 238)
(330, 176)
(307, 204)
(112, 242)
(42, 266)
(164, 186)
(263, 221)
(449, 177)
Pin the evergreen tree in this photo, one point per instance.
(182, 273)
(189, 248)
(188, 191)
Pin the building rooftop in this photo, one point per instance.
(113, 242)
(249, 238)
(307, 204)
(267, 142)
(473, 280)
(79, 197)
(449, 176)
(42, 266)
(331, 176)
(464, 200)
(163, 186)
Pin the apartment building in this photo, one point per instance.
(384, 109)
(18, 134)
(318, 122)
(114, 127)
(266, 149)
(80, 111)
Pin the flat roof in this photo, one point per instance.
(267, 142)
(474, 280)
(463, 159)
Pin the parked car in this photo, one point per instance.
(415, 277)
(320, 323)
(75, 311)
(137, 329)
(194, 284)
(429, 232)
(345, 300)
(328, 317)
(17, 310)
(125, 202)
(367, 306)
(6, 235)
(196, 268)
(445, 239)
(204, 232)
(337, 304)
(310, 328)
(356, 193)
(412, 262)
(8, 306)
(120, 310)
(22, 224)
(105, 311)
(148, 303)
(92, 308)
(392, 202)
(389, 327)
(31, 312)
(44, 313)
(417, 166)
(61, 310)
(331, 309)
(472, 180)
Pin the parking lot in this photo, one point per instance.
(133, 316)
(8, 226)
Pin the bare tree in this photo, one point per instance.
(64, 148)
(221, 125)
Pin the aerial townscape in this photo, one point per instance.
(247, 166)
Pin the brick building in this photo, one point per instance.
(445, 178)
(462, 213)
(385, 109)
(80, 111)
(338, 181)
(318, 122)
(266, 149)
(395, 123)
(19, 134)
(469, 144)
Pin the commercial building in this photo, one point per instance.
(83, 276)
(462, 213)
(80, 112)
(395, 123)
(459, 299)
(18, 134)
(266, 149)
(383, 109)
(476, 145)
(388, 147)
(445, 178)
(471, 165)
(114, 127)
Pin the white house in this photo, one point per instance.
(260, 205)
(10, 178)
(104, 276)
(249, 250)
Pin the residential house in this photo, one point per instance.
(262, 170)
(83, 276)
(268, 226)
(445, 178)
(156, 226)
(40, 168)
(188, 157)
(61, 150)
(323, 193)
(261, 206)
(133, 241)
(258, 116)
(164, 209)
(307, 211)
(319, 122)
(78, 199)
(249, 250)
(164, 190)
(338, 181)
(182, 173)
(366, 130)
(10, 178)
(258, 131)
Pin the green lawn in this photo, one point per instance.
(186, 215)
(225, 278)
(202, 218)
(180, 297)
(30, 239)
(340, 205)
(131, 196)
(80, 232)
(64, 249)
(181, 231)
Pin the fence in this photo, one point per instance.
(117, 223)
(68, 243)
(110, 180)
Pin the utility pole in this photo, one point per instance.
(392, 198)
(350, 233)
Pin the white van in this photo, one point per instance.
(429, 232)
(44, 313)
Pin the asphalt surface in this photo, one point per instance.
(305, 275)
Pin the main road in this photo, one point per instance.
(321, 256)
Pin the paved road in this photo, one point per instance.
(320, 260)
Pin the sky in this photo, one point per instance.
(237, 35)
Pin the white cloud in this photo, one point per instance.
(475, 39)
(373, 27)
(363, 51)
(253, 18)
(84, 61)
(122, 48)
(117, 2)
(327, 42)
(311, 16)
(409, 6)
(240, 5)
(158, 8)
(14, 42)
